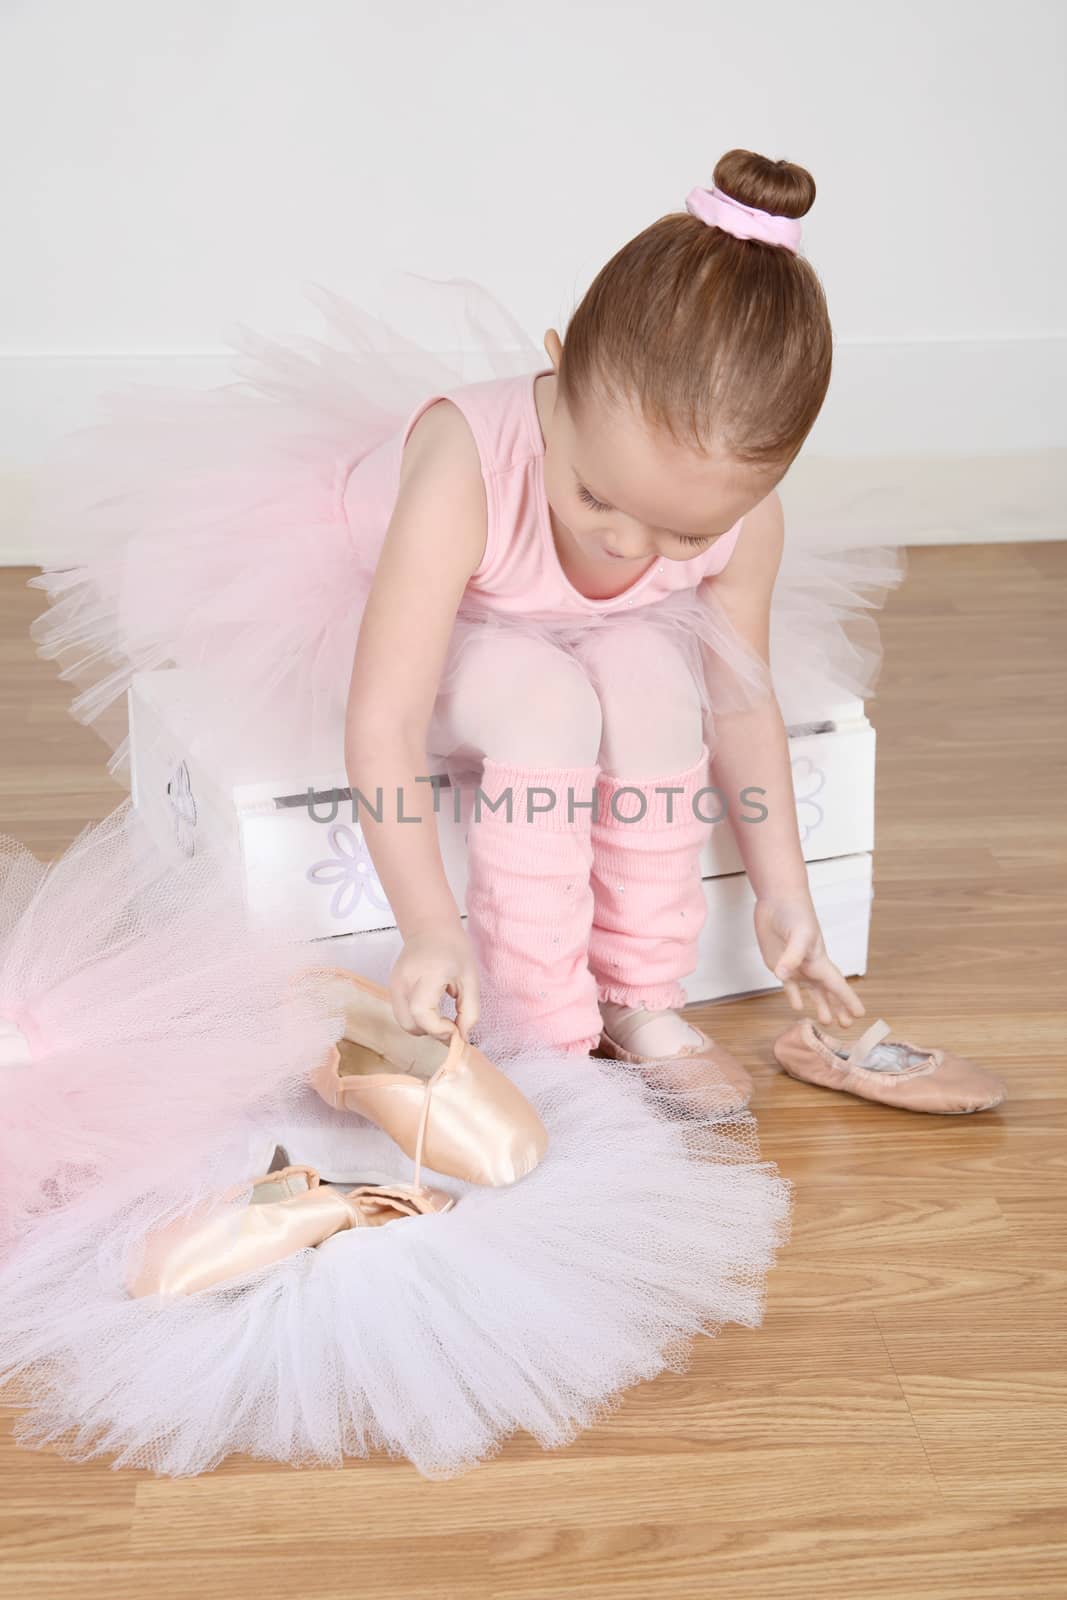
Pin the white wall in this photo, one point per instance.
(171, 169)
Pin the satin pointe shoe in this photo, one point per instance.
(731, 1090)
(895, 1074)
(443, 1104)
(289, 1210)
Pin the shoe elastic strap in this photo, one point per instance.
(867, 1040)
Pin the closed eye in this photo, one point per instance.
(602, 505)
(591, 500)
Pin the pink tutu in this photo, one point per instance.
(137, 1010)
(236, 531)
(533, 1306)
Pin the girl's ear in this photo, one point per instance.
(553, 347)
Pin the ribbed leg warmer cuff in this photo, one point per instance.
(648, 894)
(530, 900)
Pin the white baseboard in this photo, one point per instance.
(929, 499)
(920, 441)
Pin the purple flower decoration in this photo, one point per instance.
(808, 781)
(351, 869)
(183, 809)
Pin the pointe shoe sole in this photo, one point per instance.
(732, 1093)
(445, 1105)
(934, 1082)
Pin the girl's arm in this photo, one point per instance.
(435, 540)
(752, 752)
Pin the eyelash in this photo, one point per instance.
(598, 505)
(591, 500)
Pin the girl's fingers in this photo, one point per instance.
(791, 957)
(850, 1007)
(822, 1007)
(815, 989)
(838, 992)
(469, 1000)
(792, 992)
(454, 990)
(834, 984)
(402, 1011)
(424, 1007)
(429, 1020)
(466, 1008)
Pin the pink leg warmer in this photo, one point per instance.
(648, 896)
(530, 901)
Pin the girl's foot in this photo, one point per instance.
(705, 1076)
(647, 1033)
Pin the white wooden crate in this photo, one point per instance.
(305, 863)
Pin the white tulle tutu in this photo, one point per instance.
(237, 531)
(137, 1011)
(435, 1337)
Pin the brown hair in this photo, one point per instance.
(722, 341)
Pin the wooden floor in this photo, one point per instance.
(897, 1427)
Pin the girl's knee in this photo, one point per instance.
(651, 704)
(557, 719)
(525, 702)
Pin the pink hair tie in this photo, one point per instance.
(720, 210)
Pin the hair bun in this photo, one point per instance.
(777, 186)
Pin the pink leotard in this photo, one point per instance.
(520, 570)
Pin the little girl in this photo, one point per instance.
(557, 581)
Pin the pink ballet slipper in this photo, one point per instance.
(900, 1073)
(726, 1087)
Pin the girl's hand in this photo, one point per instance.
(436, 960)
(791, 944)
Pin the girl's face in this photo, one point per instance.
(625, 493)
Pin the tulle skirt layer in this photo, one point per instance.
(531, 1307)
(212, 530)
(137, 1009)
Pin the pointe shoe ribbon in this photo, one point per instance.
(456, 1046)
(909, 1076)
(289, 1210)
(448, 1107)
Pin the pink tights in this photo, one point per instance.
(565, 910)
